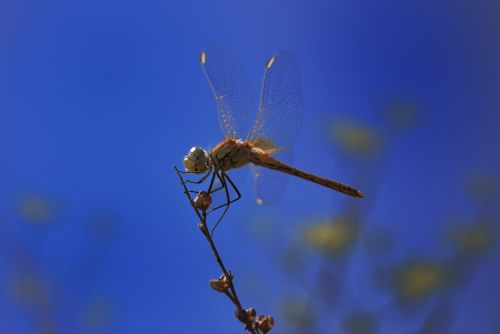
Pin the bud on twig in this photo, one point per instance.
(251, 313)
(202, 201)
(247, 317)
(224, 283)
(265, 323)
(242, 316)
(220, 284)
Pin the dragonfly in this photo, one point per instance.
(260, 141)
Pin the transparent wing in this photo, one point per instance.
(279, 116)
(277, 124)
(270, 184)
(231, 88)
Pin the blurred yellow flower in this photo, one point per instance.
(36, 208)
(475, 239)
(355, 138)
(419, 280)
(331, 237)
(28, 290)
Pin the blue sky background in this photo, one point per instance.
(99, 99)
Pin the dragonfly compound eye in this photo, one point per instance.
(196, 160)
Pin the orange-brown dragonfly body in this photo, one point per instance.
(269, 139)
(232, 153)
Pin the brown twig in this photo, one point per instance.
(230, 292)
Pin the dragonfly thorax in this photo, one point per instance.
(231, 153)
(197, 160)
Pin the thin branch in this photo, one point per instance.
(231, 294)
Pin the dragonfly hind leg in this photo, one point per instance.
(222, 178)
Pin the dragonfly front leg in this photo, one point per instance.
(210, 190)
(204, 177)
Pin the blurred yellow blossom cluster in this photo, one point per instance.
(37, 208)
(475, 239)
(419, 279)
(331, 237)
(357, 139)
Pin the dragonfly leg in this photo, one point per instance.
(222, 186)
(203, 178)
(218, 188)
(223, 179)
(199, 181)
(210, 190)
(238, 194)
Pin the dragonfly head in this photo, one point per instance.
(197, 160)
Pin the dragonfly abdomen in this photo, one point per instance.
(265, 160)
